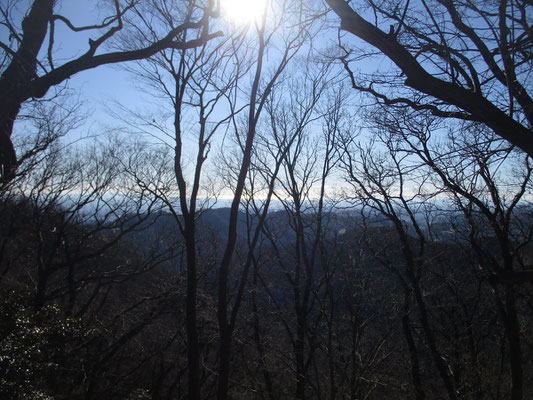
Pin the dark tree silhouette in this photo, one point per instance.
(460, 58)
(25, 75)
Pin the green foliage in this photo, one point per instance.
(37, 347)
(139, 394)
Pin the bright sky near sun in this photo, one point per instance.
(111, 83)
(243, 11)
(99, 88)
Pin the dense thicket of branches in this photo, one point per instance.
(263, 230)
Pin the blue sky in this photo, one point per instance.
(100, 85)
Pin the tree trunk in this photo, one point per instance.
(193, 347)
(415, 364)
(21, 70)
(512, 326)
(225, 359)
(300, 355)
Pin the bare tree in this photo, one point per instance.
(290, 19)
(196, 83)
(75, 209)
(492, 202)
(487, 183)
(457, 59)
(383, 187)
(296, 233)
(203, 84)
(25, 75)
(70, 247)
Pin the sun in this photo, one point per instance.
(243, 12)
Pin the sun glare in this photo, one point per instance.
(243, 11)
